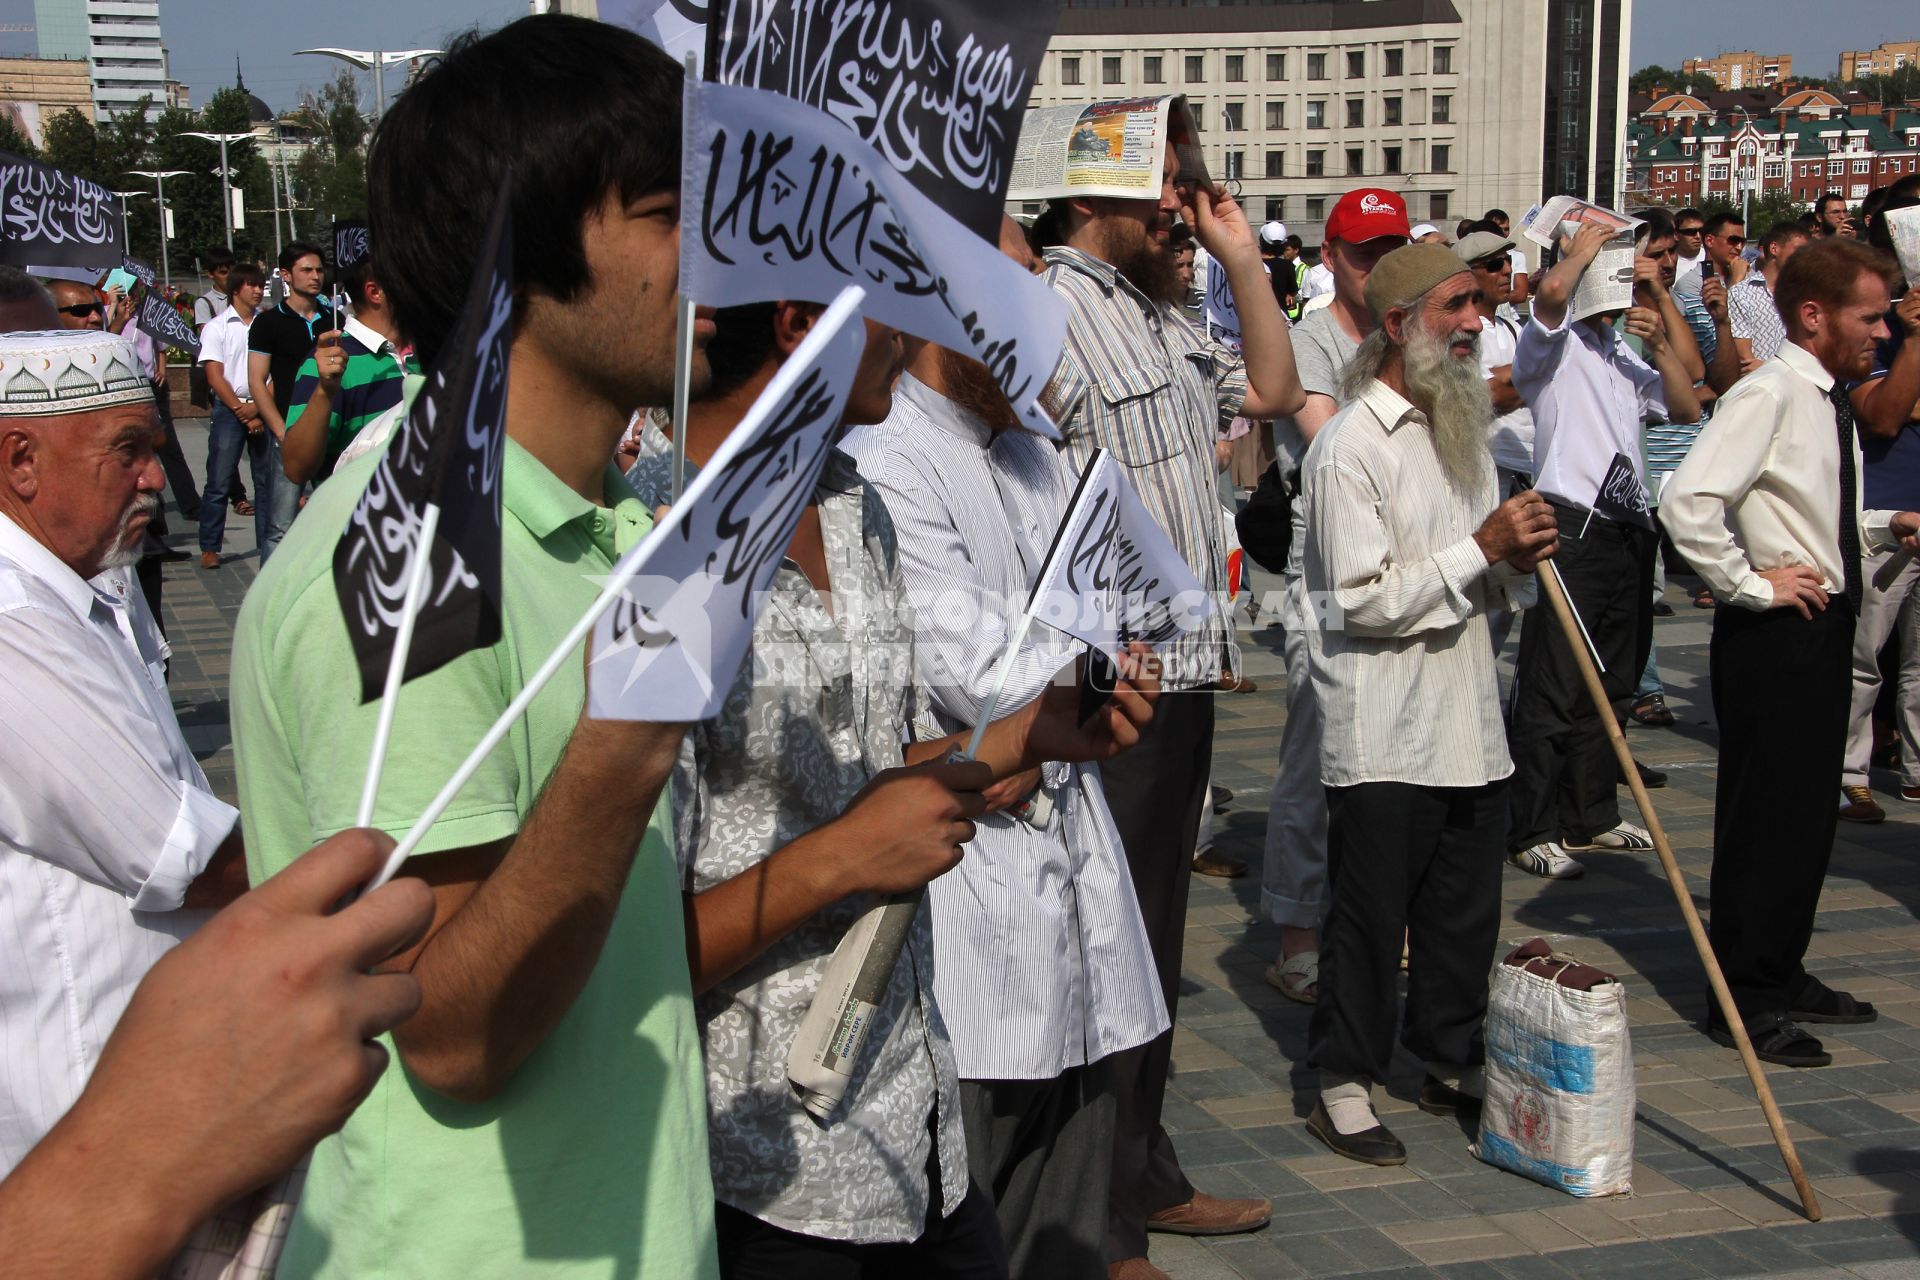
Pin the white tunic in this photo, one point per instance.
(105, 817)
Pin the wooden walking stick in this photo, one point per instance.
(1556, 594)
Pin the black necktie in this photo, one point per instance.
(1849, 496)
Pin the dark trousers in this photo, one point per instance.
(1423, 864)
(186, 494)
(964, 1245)
(1564, 771)
(1780, 694)
(1155, 791)
(1043, 1151)
(226, 440)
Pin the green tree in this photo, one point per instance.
(1654, 76)
(11, 139)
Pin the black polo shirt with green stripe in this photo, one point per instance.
(370, 385)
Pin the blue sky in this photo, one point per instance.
(204, 35)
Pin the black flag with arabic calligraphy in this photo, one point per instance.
(446, 452)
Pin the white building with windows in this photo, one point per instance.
(120, 40)
(1461, 105)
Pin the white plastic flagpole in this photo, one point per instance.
(682, 353)
(397, 664)
(829, 326)
(1014, 641)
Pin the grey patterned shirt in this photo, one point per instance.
(822, 704)
(1139, 380)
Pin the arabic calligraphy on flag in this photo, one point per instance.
(446, 452)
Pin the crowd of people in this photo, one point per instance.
(558, 1046)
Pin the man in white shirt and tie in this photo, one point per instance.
(109, 834)
(1408, 545)
(1766, 508)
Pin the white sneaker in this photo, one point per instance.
(1549, 860)
(1624, 836)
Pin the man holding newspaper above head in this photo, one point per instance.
(1588, 393)
(1140, 381)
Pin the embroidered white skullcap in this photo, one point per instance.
(59, 371)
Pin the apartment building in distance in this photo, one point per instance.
(1882, 60)
(35, 90)
(1744, 69)
(1461, 105)
(120, 42)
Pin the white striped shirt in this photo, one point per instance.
(1401, 660)
(104, 820)
(1041, 962)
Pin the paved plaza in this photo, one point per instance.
(1710, 1196)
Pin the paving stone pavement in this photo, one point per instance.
(1710, 1196)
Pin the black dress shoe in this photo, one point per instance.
(1221, 796)
(1651, 779)
(1440, 1099)
(1370, 1146)
(1661, 609)
(172, 555)
(1776, 1038)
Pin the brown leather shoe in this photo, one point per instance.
(209, 559)
(1211, 864)
(1206, 1215)
(1135, 1269)
(1860, 806)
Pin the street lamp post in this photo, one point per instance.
(160, 177)
(377, 60)
(226, 176)
(126, 229)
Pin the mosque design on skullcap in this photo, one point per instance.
(68, 371)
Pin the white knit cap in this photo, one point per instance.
(60, 371)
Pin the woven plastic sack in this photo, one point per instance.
(1560, 1100)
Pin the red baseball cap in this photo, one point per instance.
(1367, 214)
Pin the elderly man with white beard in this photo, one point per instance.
(1407, 548)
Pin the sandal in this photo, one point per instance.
(1777, 1040)
(1298, 978)
(1818, 1002)
(1652, 710)
(241, 507)
(1703, 599)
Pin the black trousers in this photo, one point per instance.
(1043, 1151)
(1156, 792)
(1564, 771)
(173, 461)
(1781, 687)
(1423, 863)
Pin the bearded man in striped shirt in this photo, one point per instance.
(1407, 548)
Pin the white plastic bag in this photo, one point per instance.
(1560, 1098)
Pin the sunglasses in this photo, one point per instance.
(1735, 241)
(1688, 231)
(85, 309)
(1491, 263)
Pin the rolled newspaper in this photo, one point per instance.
(820, 1064)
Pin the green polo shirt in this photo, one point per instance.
(592, 1162)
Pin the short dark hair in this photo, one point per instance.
(246, 273)
(218, 258)
(1809, 222)
(1460, 227)
(575, 108)
(1779, 233)
(353, 281)
(1719, 222)
(1050, 228)
(1680, 215)
(741, 345)
(1827, 272)
(1820, 204)
(1493, 214)
(16, 285)
(1654, 225)
(1296, 242)
(296, 250)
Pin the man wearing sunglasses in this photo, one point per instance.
(1688, 227)
(79, 306)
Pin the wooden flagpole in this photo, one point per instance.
(1556, 594)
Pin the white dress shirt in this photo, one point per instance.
(1400, 655)
(225, 339)
(1760, 489)
(1319, 280)
(104, 820)
(1512, 432)
(1588, 393)
(1041, 962)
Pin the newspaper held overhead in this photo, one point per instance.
(1105, 149)
(1607, 283)
(1904, 224)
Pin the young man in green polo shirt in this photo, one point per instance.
(354, 375)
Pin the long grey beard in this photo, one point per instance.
(1453, 394)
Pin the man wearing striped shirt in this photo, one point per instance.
(354, 375)
(1041, 964)
(1409, 542)
(1137, 379)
